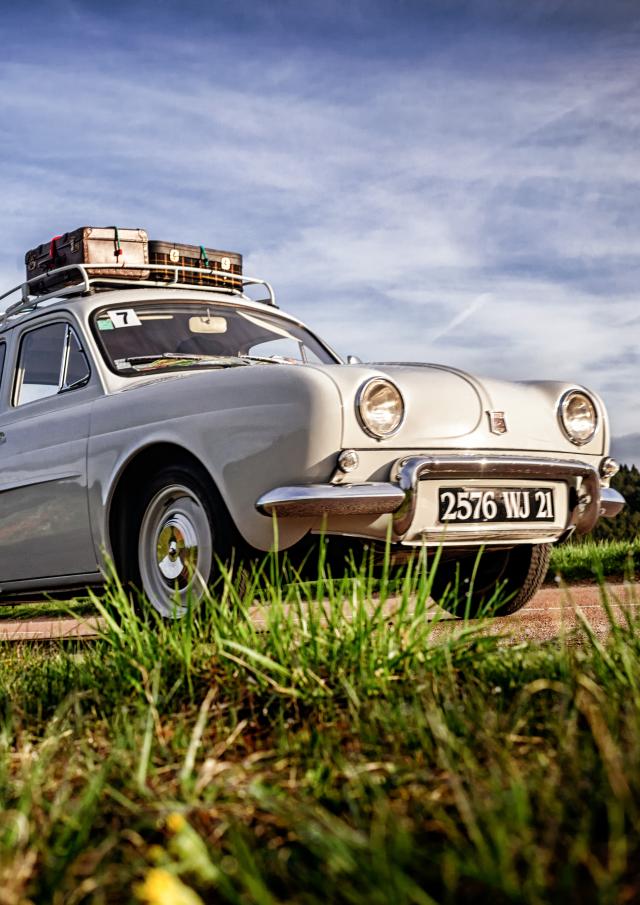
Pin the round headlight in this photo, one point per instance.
(380, 408)
(578, 417)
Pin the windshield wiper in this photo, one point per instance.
(220, 360)
(272, 360)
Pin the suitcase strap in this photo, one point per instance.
(204, 256)
(118, 249)
(53, 248)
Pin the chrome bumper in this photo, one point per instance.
(305, 500)
(611, 502)
(399, 496)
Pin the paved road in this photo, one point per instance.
(555, 611)
(551, 612)
(45, 628)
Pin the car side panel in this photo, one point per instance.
(251, 427)
(44, 517)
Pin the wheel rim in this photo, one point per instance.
(175, 550)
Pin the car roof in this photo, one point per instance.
(84, 304)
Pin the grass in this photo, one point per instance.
(573, 562)
(48, 608)
(344, 755)
(593, 560)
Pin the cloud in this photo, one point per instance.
(626, 449)
(460, 318)
(469, 196)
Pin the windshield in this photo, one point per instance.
(178, 336)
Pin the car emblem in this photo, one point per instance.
(497, 422)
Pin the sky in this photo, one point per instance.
(455, 182)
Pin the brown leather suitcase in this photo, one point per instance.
(227, 263)
(88, 245)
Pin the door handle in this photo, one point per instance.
(3, 437)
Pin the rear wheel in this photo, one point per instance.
(178, 528)
(467, 585)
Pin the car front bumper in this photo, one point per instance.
(587, 499)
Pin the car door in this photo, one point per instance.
(47, 395)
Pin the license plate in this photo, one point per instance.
(504, 504)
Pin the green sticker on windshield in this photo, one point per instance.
(105, 323)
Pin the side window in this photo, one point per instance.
(51, 360)
(77, 369)
(3, 353)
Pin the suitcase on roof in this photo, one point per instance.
(227, 264)
(88, 245)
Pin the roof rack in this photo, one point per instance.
(30, 299)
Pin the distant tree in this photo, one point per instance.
(626, 525)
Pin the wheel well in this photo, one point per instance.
(133, 478)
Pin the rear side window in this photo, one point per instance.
(3, 352)
(51, 361)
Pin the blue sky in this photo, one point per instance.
(442, 181)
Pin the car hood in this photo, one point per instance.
(449, 408)
(445, 408)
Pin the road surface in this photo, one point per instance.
(552, 611)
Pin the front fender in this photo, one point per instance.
(251, 428)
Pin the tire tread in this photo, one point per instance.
(538, 568)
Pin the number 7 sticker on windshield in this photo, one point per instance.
(124, 317)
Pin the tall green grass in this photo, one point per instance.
(320, 745)
(589, 560)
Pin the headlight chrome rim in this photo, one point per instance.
(563, 405)
(366, 427)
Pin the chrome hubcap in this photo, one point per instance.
(175, 550)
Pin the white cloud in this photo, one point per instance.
(472, 207)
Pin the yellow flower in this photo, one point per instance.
(156, 853)
(162, 888)
(176, 822)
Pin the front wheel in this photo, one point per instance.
(466, 585)
(178, 530)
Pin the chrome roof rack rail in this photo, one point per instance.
(86, 282)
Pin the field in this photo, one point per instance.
(344, 755)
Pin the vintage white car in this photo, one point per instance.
(163, 426)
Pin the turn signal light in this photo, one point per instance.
(609, 467)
